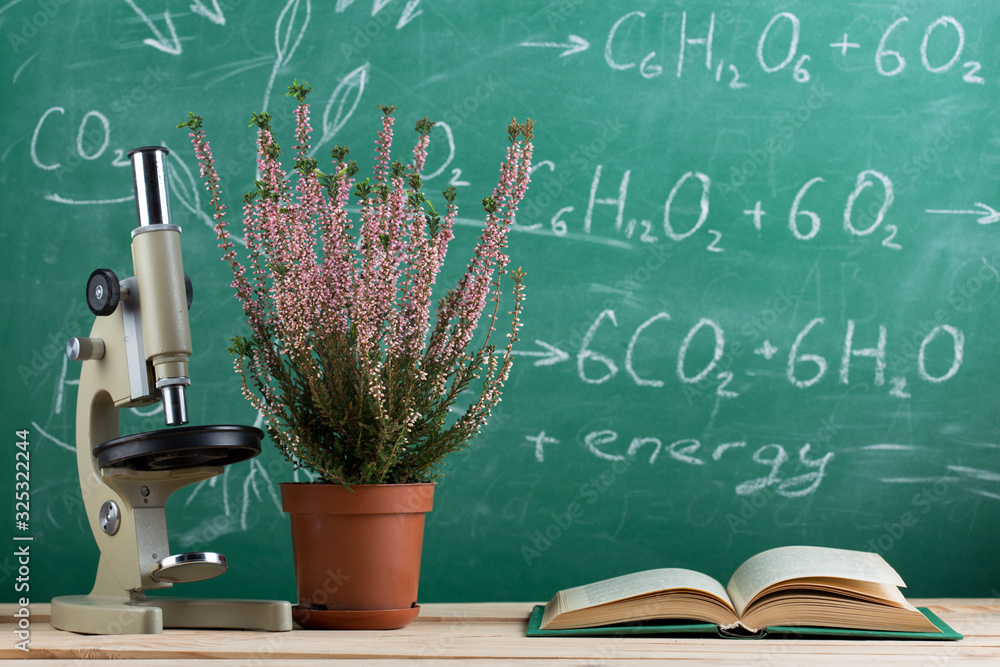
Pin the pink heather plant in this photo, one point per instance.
(341, 360)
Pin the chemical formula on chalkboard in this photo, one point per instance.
(942, 46)
(803, 224)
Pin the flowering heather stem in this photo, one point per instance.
(341, 359)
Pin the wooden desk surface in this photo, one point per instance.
(493, 633)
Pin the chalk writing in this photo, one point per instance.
(692, 191)
(777, 47)
(802, 369)
(787, 478)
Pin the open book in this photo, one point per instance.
(789, 586)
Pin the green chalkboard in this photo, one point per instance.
(762, 253)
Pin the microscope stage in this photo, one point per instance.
(184, 447)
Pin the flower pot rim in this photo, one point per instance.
(326, 498)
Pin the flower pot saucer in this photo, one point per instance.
(366, 619)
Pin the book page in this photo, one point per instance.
(866, 590)
(776, 565)
(664, 593)
(640, 583)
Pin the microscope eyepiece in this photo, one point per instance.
(149, 181)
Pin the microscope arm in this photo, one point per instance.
(130, 549)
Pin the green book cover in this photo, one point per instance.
(774, 632)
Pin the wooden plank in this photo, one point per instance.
(485, 633)
(436, 612)
(674, 657)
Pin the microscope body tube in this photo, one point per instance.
(166, 330)
(159, 272)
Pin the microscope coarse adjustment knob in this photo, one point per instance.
(103, 292)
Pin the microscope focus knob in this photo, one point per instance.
(103, 292)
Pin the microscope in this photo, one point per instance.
(136, 355)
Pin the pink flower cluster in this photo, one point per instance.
(327, 301)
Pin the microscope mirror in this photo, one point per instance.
(194, 566)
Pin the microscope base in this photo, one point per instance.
(97, 615)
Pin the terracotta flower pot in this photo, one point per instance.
(357, 555)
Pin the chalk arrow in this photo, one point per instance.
(214, 15)
(410, 12)
(547, 357)
(171, 45)
(59, 199)
(576, 44)
(987, 214)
